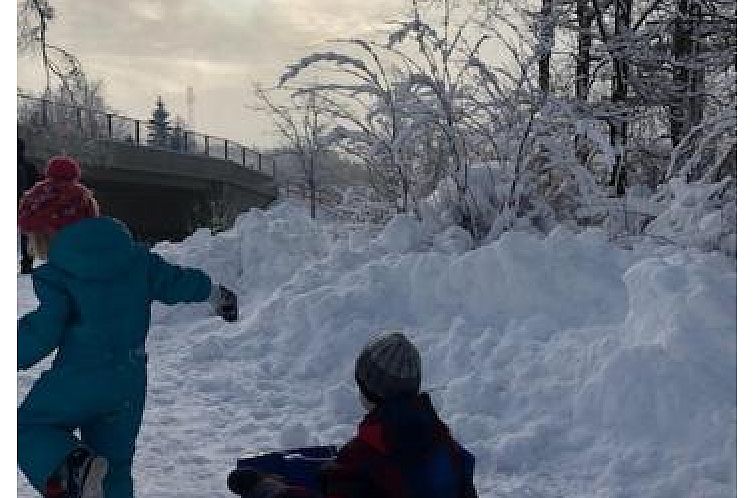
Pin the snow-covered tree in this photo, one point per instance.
(304, 131)
(159, 126)
(32, 35)
(369, 109)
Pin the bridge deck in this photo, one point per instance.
(158, 193)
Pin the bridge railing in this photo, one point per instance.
(102, 125)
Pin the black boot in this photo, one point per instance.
(26, 266)
(27, 261)
(80, 476)
(86, 473)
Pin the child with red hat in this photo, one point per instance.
(95, 290)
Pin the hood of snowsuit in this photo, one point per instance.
(93, 249)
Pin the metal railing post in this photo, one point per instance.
(206, 145)
(136, 131)
(259, 159)
(274, 169)
(44, 112)
(185, 141)
(110, 126)
(243, 156)
(93, 125)
(225, 144)
(79, 122)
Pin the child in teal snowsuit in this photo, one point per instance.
(94, 292)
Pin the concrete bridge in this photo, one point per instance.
(160, 192)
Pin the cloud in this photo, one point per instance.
(148, 11)
(142, 48)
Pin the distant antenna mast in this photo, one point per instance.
(190, 100)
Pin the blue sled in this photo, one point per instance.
(299, 466)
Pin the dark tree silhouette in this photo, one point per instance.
(159, 127)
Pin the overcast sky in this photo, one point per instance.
(145, 48)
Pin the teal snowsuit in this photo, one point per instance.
(94, 295)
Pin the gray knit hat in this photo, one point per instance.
(389, 366)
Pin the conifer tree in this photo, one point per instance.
(159, 127)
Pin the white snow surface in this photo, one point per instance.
(569, 367)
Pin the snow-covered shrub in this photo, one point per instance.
(361, 204)
(698, 214)
(708, 152)
(483, 209)
(447, 133)
(698, 202)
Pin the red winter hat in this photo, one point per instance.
(56, 201)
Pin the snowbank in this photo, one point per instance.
(569, 367)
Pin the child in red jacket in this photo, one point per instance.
(402, 449)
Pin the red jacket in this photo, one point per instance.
(402, 450)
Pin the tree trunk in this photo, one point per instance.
(585, 18)
(405, 193)
(696, 95)
(311, 130)
(312, 189)
(686, 100)
(545, 44)
(619, 126)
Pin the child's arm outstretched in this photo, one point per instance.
(39, 331)
(171, 284)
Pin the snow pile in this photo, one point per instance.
(667, 392)
(264, 250)
(567, 366)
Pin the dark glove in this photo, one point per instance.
(225, 303)
(241, 482)
(249, 483)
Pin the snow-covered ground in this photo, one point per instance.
(569, 367)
